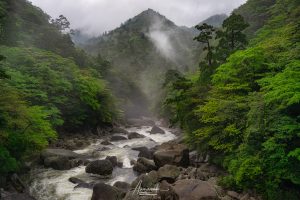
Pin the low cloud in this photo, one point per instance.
(97, 16)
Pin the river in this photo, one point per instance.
(49, 184)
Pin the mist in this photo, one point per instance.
(97, 16)
(161, 39)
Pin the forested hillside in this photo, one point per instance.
(243, 109)
(145, 47)
(47, 86)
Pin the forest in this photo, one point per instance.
(233, 88)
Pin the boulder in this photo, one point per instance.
(102, 191)
(106, 142)
(100, 167)
(148, 180)
(117, 138)
(193, 189)
(113, 160)
(125, 187)
(119, 130)
(167, 192)
(156, 130)
(134, 135)
(75, 180)
(168, 173)
(173, 154)
(58, 163)
(144, 165)
(144, 152)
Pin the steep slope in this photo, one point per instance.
(47, 86)
(28, 26)
(145, 47)
(256, 13)
(247, 118)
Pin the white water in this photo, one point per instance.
(49, 184)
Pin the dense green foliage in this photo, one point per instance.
(248, 115)
(47, 86)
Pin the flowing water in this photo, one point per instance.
(49, 184)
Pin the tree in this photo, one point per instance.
(61, 23)
(231, 36)
(206, 34)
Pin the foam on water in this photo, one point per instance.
(49, 184)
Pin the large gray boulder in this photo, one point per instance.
(144, 165)
(168, 173)
(100, 167)
(156, 130)
(173, 154)
(102, 191)
(193, 189)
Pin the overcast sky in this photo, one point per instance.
(97, 16)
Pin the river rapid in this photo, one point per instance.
(50, 184)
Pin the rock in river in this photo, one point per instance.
(134, 135)
(100, 167)
(156, 130)
(171, 153)
(117, 138)
(102, 191)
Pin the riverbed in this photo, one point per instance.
(50, 184)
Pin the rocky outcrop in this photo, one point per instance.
(157, 130)
(102, 191)
(144, 165)
(173, 154)
(100, 167)
(134, 135)
(168, 173)
(193, 189)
